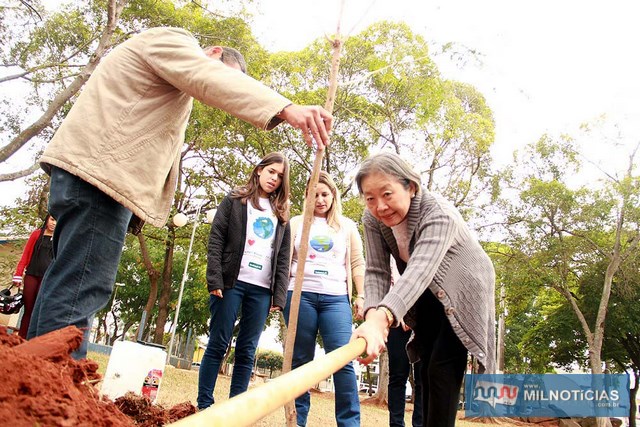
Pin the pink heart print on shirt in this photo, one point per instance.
(312, 256)
(251, 242)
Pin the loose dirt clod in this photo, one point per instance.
(145, 414)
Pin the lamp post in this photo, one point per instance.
(180, 220)
(115, 291)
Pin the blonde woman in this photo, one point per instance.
(334, 263)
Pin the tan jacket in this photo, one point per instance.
(125, 132)
(354, 256)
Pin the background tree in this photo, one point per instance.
(622, 341)
(55, 53)
(561, 232)
(556, 339)
(271, 360)
(57, 56)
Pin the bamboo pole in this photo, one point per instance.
(249, 407)
(309, 205)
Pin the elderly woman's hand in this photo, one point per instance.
(358, 308)
(374, 330)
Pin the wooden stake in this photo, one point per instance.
(309, 205)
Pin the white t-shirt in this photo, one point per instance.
(324, 270)
(255, 267)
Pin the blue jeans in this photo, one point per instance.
(331, 316)
(255, 303)
(399, 370)
(87, 245)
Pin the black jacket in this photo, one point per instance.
(226, 246)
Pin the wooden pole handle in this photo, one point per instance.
(249, 407)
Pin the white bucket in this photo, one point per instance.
(134, 367)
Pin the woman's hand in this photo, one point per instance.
(216, 293)
(374, 330)
(404, 326)
(358, 308)
(17, 281)
(275, 308)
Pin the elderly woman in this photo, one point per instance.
(445, 292)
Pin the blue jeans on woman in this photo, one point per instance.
(255, 302)
(331, 316)
(87, 245)
(399, 371)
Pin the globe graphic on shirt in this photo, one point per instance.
(321, 243)
(263, 227)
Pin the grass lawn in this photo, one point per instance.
(180, 385)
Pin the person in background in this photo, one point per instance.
(334, 263)
(445, 291)
(399, 370)
(247, 270)
(35, 260)
(115, 159)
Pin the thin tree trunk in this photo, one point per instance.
(501, 329)
(154, 275)
(632, 398)
(114, 336)
(225, 359)
(290, 409)
(165, 293)
(382, 395)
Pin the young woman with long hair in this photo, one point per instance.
(247, 269)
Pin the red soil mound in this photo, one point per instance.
(42, 385)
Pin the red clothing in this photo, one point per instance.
(26, 255)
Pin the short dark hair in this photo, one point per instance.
(231, 55)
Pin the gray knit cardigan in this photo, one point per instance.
(446, 259)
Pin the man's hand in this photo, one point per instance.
(216, 293)
(314, 122)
